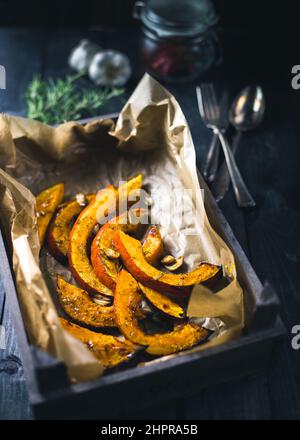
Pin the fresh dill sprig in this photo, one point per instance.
(60, 100)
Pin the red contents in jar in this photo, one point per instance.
(179, 40)
(170, 58)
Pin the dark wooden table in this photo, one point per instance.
(269, 160)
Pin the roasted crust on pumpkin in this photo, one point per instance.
(162, 302)
(46, 203)
(61, 225)
(109, 350)
(107, 268)
(132, 255)
(83, 228)
(81, 308)
(183, 337)
(79, 261)
(126, 302)
(153, 246)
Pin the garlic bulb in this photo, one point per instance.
(110, 68)
(81, 56)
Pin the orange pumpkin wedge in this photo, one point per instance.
(79, 261)
(127, 300)
(95, 213)
(153, 246)
(103, 256)
(61, 225)
(162, 302)
(106, 267)
(109, 350)
(103, 259)
(46, 203)
(128, 193)
(131, 252)
(81, 308)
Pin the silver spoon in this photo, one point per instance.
(246, 113)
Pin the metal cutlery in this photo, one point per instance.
(210, 165)
(212, 117)
(246, 113)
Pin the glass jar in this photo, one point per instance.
(179, 41)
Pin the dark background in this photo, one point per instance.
(269, 26)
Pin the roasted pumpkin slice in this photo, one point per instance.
(81, 308)
(128, 193)
(79, 261)
(61, 225)
(162, 302)
(105, 259)
(46, 203)
(127, 300)
(103, 256)
(132, 255)
(110, 350)
(153, 246)
(83, 228)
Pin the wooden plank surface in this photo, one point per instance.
(14, 401)
(21, 52)
(267, 233)
(272, 229)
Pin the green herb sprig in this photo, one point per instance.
(60, 100)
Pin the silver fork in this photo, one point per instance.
(211, 162)
(211, 115)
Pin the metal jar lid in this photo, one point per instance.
(176, 17)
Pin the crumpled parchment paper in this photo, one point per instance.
(151, 136)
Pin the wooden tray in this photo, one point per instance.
(52, 396)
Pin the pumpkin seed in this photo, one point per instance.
(174, 264)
